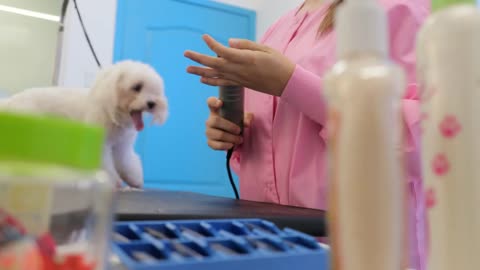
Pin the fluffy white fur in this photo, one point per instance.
(119, 96)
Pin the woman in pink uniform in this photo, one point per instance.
(281, 157)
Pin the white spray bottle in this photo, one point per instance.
(367, 184)
(448, 62)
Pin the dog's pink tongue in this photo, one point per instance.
(137, 120)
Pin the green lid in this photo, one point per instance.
(55, 141)
(439, 4)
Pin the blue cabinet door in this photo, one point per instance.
(175, 156)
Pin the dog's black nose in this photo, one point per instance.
(151, 104)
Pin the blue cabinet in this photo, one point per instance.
(175, 156)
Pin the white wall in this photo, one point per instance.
(271, 11)
(250, 4)
(268, 11)
(78, 66)
(27, 45)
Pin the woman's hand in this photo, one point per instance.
(221, 133)
(246, 63)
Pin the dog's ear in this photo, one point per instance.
(104, 91)
(120, 77)
(160, 114)
(160, 118)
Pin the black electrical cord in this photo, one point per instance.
(63, 12)
(86, 34)
(229, 156)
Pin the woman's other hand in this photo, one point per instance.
(245, 63)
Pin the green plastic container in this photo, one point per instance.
(51, 181)
(440, 4)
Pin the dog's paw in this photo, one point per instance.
(130, 189)
(134, 183)
(128, 184)
(132, 173)
(119, 184)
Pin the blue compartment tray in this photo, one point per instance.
(216, 245)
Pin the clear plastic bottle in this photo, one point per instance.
(367, 184)
(52, 189)
(448, 62)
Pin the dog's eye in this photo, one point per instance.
(137, 87)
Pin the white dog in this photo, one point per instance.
(117, 100)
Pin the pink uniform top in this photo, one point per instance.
(283, 157)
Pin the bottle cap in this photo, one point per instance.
(361, 27)
(45, 140)
(440, 4)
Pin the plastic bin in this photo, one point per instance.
(55, 203)
(215, 245)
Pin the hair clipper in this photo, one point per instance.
(232, 98)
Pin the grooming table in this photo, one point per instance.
(171, 205)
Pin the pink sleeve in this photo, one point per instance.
(304, 91)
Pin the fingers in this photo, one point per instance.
(221, 79)
(218, 135)
(214, 104)
(218, 82)
(217, 122)
(204, 72)
(247, 121)
(221, 133)
(216, 46)
(245, 44)
(237, 53)
(221, 140)
(233, 55)
(221, 146)
(209, 61)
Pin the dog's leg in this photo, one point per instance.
(127, 162)
(109, 166)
